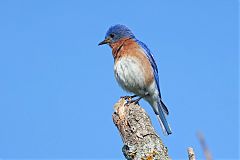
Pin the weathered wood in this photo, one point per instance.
(191, 155)
(141, 142)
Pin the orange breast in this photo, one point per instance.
(129, 48)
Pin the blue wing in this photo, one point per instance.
(153, 63)
(155, 70)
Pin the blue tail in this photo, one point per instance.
(162, 118)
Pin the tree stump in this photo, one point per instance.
(141, 141)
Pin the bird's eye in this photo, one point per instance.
(111, 35)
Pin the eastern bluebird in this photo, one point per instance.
(136, 70)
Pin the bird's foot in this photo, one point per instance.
(128, 98)
(134, 101)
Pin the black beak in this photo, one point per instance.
(105, 41)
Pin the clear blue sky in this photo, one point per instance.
(57, 87)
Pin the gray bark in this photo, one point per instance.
(191, 154)
(139, 137)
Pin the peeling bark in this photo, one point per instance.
(191, 155)
(141, 141)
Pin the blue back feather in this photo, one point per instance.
(152, 61)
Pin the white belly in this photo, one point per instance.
(129, 74)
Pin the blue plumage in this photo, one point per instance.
(119, 31)
(136, 70)
(155, 69)
(152, 61)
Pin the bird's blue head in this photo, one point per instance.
(116, 33)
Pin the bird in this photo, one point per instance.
(136, 70)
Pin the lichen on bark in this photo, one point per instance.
(139, 137)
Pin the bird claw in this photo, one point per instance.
(133, 101)
(128, 98)
(130, 102)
